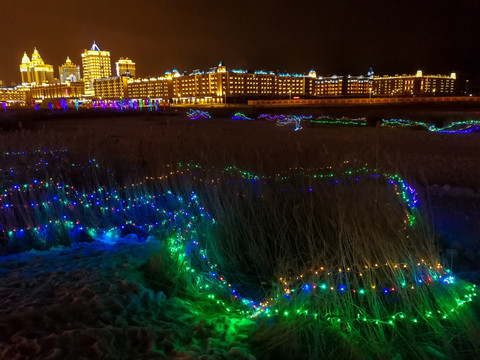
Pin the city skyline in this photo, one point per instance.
(126, 63)
(346, 38)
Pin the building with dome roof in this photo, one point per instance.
(35, 71)
(69, 72)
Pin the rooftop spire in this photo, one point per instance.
(36, 56)
(95, 47)
(25, 59)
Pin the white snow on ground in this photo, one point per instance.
(88, 302)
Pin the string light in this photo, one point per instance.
(326, 120)
(198, 114)
(240, 116)
(457, 127)
(51, 208)
(283, 120)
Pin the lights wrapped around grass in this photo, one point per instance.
(457, 127)
(240, 116)
(283, 120)
(343, 121)
(461, 127)
(346, 295)
(198, 114)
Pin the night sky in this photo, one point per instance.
(333, 37)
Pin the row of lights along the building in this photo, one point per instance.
(216, 85)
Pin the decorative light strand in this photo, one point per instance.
(283, 120)
(57, 208)
(198, 114)
(344, 121)
(457, 127)
(241, 116)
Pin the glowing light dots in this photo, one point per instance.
(457, 127)
(198, 114)
(240, 116)
(328, 292)
(343, 121)
(283, 120)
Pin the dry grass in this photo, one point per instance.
(151, 140)
(271, 229)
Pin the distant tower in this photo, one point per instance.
(25, 69)
(312, 73)
(125, 67)
(35, 71)
(69, 72)
(96, 65)
(41, 73)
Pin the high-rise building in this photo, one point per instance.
(96, 65)
(125, 67)
(35, 71)
(69, 72)
(25, 69)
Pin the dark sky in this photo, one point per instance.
(333, 37)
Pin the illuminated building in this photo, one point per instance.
(125, 67)
(96, 65)
(110, 88)
(418, 84)
(69, 72)
(35, 71)
(66, 90)
(290, 85)
(220, 83)
(14, 95)
(358, 85)
(328, 86)
(152, 88)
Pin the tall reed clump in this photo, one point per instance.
(340, 265)
(328, 263)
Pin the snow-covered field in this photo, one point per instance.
(95, 300)
(91, 302)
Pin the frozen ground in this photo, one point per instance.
(94, 301)
(454, 212)
(90, 302)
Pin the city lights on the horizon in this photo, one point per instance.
(214, 85)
